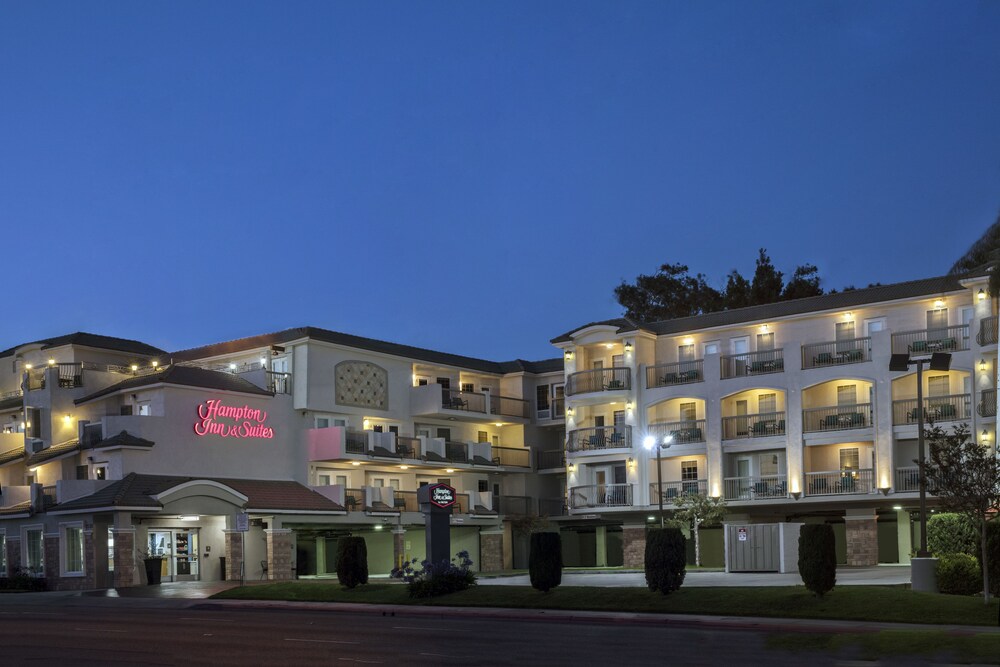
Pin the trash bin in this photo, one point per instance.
(222, 559)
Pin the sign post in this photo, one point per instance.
(243, 525)
(436, 501)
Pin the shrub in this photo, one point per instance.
(950, 533)
(352, 561)
(959, 574)
(545, 561)
(993, 554)
(22, 579)
(817, 557)
(433, 579)
(666, 557)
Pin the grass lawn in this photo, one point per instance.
(980, 648)
(855, 603)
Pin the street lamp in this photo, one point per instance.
(649, 442)
(939, 361)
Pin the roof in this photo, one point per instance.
(136, 490)
(124, 439)
(188, 376)
(20, 508)
(11, 455)
(92, 340)
(12, 403)
(771, 311)
(371, 344)
(53, 452)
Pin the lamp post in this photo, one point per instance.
(649, 442)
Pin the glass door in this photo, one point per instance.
(186, 555)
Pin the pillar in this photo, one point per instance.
(862, 538)
(13, 553)
(398, 546)
(50, 550)
(89, 580)
(601, 546)
(280, 550)
(904, 540)
(125, 572)
(491, 550)
(634, 538)
(321, 554)
(234, 554)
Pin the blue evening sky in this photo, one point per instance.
(474, 177)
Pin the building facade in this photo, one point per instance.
(252, 457)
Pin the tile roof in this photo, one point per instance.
(838, 301)
(136, 490)
(188, 376)
(12, 455)
(371, 344)
(123, 439)
(20, 508)
(53, 452)
(92, 340)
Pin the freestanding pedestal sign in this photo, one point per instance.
(436, 501)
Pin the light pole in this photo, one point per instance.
(649, 442)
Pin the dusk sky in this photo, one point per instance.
(473, 177)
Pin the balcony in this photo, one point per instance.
(600, 495)
(435, 400)
(552, 507)
(929, 341)
(765, 487)
(761, 425)
(987, 406)
(513, 457)
(599, 438)
(955, 407)
(514, 505)
(837, 353)
(681, 433)
(907, 479)
(667, 375)
(837, 418)
(279, 383)
(552, 459)
(672, 490)
(600, 379)
(840, 482)
(752, 363)
(987, 331)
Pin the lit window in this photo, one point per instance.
(34, 551)
(72, 550)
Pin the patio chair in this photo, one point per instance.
(823, 359)
(263, 570)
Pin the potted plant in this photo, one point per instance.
(154, 566)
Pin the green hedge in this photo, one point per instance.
(545, 561)
(993, 554)
(665, 559)
(950, 533)
(818, 557)
(959, 574)
(352, 561)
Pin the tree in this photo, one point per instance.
(818, 557)
(965, 476)
(737, 294)
(669, 293)
(695, 509)
(805, 282)
(665, 559)
(767, 281)
(984, 252)
(545, 561)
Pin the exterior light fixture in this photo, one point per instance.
(52, 362)
(498, 424)
(569, 412)
(609, 345)
(27, 367)
(688, 340)
(848, 316)
(232, 366)
(982, 294)
(365, 424)
(192, 517)
(796, 495)
(884, 490)
(897, 507)
(568, 354)
(982, 365)
(135, 367)
(404, 467)
(939, 303)
(449, 470)
(630, 461)
(355, 463)
(628, 405)
(154, 363)
(986, 434)
(67, 418)
(628, 346)
(763, 328)
(649, 442)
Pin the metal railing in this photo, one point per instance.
(954, 407)
(456, 399)
(987, 406)
(928, 341)
(551, 458)
(752, 363)
(600, 437)
(405, 501)
(755, 488)
(837, 418)
(601, 379)
(753, 426)
(354, 500)
(355, 442)
(16, 393)
(840, 482)
(514, 505)
(600, 495)
(683, 372)
(516, 457)
(682, 432)
(836, 353)
(279, 383)
(552, 506)
(671, 490)
(987, 331)
(457, 452)
(509, 406)
(907, 479)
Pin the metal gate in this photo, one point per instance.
(753, 548)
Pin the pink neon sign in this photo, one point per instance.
(249, 422)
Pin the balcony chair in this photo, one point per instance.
(670, 492)
(399, 503)
(614, 384)
(670, 378)
(918, 346)
(851, 356)
(945, 411)
(263, 570)
(830, 421)
(823, 359)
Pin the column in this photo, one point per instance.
(89, 559)
(234, 554)
(904, 540)
(280, 550)
(125, 573)
(51, 554)
(398, 546)
(862, 538)
(634, 537)
(601, 546)
(13, 553)
(491, 550)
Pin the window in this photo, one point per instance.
(688, 412)
(72, 552)
(845, 336)
(394, 429)
(3, 554)
(323, 480)
(468, 386)
(847, 394)
(874, 324)
(689, 470)
(597, 365)
(340, 422)
(496, 440)
(322, 422)
(765, 341)
(850, 458)
(83, 472)
(938, 385)
(483, 486)
(444, 382)
(767, 403)
(377, 428)
(558, 400)
(598, 421)
(770, 464)
(101, 472)
(618, 361)
(711, 347)
(34, 551)
(421, 382)
(542, 400)
(967, 321)
(34, 425)
(444, 433)
(394, 483)
(482, 436)
(685, 352)
(341, 480)
(740, 345)
(144, 409)
(619, 417)
(937, 322)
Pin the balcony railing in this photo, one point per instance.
(840, 482)
(408, 448)
(907, 479)
(753, 426)
(600, 495)
(455, 399)
(457, 452)
(355, 442)
(684, 372)
(556, 409)
(601, 379)
(509, 407)
(671, 490)
(987, 406)
(15, 393)
(405, 501)
(552, 458)
(837, 353)
(516, 457)
(755, 488)
(279, 383)
(601, 437)
(514, 505)
(928, 341)
(552, 506)
(987, 331)
(955, 407)
(752, 363)
(837, 418)
(682, 432)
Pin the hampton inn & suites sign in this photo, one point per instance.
(231, 421)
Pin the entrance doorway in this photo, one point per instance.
(179, 547)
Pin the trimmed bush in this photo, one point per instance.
(352, 561)
(433, 579)
(666, 557)
(950, 533)
(818, 557)
(21, 579)
(959, 574)
(993, 554)
(545, 561)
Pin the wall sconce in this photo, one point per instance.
(568, 354)
(986, 435)
(68, 419)
(52, 362)
(848, 316)
(688, 340)
(982, 365)
(939, 303)
(884, 490)
(27, 367)
(365, 424)
(569, 412)
(982, 294)
(232, 366)
(571, 467)
(628, 405)
(135, 367)
(763, 328)
(628, 346)
(154, 363)
(796, 495)
(631, 462)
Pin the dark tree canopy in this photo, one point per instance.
(767, 281)
(804, 282)
(985, 251)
